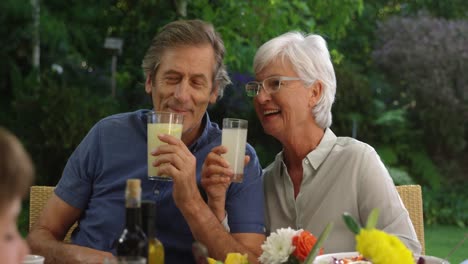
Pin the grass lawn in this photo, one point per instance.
(440, 240)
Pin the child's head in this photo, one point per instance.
(16, 175)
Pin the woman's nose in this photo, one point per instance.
(262, 95)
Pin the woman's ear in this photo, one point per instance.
(148, 84)
(315, 94)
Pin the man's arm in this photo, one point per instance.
(46, 237)
(176, 160)
(207, 229)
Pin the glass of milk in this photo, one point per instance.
(161, 123)
(234, 138)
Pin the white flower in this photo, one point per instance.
(278, 246)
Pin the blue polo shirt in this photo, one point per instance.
(115, 150)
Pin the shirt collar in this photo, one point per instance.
(203, 138)
(318, 155)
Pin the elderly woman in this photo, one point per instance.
(16, 175)
(317, 176)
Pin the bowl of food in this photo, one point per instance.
(341, 258)
(430, 260)
(356, 258)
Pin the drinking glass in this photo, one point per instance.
(234, 138)
(33, 259)
(161, 123)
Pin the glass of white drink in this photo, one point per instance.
(234, 139)
(161, 123)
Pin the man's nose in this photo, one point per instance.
(182, 91)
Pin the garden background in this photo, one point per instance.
(401, 66)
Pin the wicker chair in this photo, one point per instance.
(412, 199)
(38, 197)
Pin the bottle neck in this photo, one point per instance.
(150, 230)
(133, 218)
(133, 209)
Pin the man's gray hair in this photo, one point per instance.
(311, 61)
(187, 33)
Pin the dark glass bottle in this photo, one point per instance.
(155, 248)
(132, 241)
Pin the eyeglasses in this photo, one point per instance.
(271, 85)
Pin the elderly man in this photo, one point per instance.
(184, 74)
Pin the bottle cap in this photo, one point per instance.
(133, 190)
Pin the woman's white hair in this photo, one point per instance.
(311, 61)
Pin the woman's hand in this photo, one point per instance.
(216, 178)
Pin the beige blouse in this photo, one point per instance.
(341, 175)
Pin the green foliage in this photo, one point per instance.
(453, 9)
(353, 103)
(52, 119)
(15, 35)
(245, 25)
(23, 219)
(318, 245)
(436, 83)
(424, 169)
(351, 223)
(334, 16)
(400, 176)
(372, 219)
(447, 205)
(395, 116)
(424, 61)
(388, 155)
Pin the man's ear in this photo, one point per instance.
(148, 84)
(214, 94)
(315, 94)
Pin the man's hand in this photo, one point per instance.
(87, 255)
(175, 160)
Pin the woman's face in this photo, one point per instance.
(286, 109)
(12, 246)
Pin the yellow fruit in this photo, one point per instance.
(211, 261)
(236, 258)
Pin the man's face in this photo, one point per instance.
(184, 84)
(12, 247)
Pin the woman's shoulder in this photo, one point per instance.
(353, 146)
